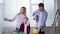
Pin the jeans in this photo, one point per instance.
(41, 32)
(18, 31)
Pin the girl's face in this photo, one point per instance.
(25, 20)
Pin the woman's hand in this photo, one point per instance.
(11, 20)
(5, 19)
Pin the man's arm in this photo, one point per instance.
(44, 18)
(35, 12)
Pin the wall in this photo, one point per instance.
(1, 15)
(10, 11)
(50, 8)
(58, 4)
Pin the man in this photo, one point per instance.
(42, 14)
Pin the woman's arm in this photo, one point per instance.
(11, 20)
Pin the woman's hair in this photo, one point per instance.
(24, 8)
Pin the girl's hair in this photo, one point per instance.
(24, 8)
(26, 18)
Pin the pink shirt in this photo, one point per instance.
(19, 19)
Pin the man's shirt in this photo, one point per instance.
(42, 18)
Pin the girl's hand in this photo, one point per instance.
(24, 33)
(30, 33)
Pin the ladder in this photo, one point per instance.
(53, 27)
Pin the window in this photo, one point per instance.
(34, 4)
(1, 1)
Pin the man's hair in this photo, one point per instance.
(41, 5)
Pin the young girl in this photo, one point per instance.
(25, 26)
(19, 17)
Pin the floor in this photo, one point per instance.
(47, 30)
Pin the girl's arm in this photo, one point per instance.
(11, 20)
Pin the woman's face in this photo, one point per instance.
(22, 10)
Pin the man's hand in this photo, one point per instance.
(40, 27)
(33, 14)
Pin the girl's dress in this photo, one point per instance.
(25, 28)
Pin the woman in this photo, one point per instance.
(19, 17)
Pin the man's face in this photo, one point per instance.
(41, 8)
